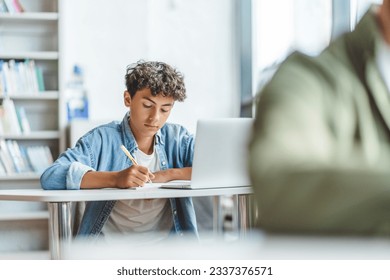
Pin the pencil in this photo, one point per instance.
(131, 158)
(129, 155)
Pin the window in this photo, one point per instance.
(280, 27)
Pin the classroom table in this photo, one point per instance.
(59, 205)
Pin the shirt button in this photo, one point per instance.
(175, 212)
(163, 163)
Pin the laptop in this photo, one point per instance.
(220, 155)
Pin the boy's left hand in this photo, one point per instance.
(167, 175)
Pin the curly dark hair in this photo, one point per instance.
(159, 77)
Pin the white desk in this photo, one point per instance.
(59, 204)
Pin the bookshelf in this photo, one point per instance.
(25, 37)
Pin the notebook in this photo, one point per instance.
(220, 155)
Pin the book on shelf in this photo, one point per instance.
(12, 153)
(5, 158)
(23, 152)
(32, 75)
(1, 120)
(20, 163)
(6, 162)
(23, 120)
(3, 7)
(2, 79)
(11, 6)
(20, 72)
(13, 119)
(6, 79)
(13, 77)
(39, 157)
(2, 169)
(40, 81)
(10, 122)
(18, 6)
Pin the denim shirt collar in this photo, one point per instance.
(128, 136)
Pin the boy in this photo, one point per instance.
(162, 150)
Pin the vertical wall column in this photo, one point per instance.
(245, 55)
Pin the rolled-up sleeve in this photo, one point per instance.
(68, 170)
(75, 175)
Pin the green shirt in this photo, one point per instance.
(320, 150)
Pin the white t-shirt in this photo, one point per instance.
(147, 220)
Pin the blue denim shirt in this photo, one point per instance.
(99, 150)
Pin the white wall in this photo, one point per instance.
(103, 39)
(196, 36)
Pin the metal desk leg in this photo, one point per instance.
(243, 214)
(217, 216)
(60, 232)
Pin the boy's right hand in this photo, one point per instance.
(134, 176)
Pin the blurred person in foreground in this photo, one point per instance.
(320, 149)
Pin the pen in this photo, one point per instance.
(131, 158)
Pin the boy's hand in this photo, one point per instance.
(134, 176)
(167, 175)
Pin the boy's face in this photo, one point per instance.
(148, 113)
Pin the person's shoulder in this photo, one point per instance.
(298, 77)
(303, 62)
(327, 65)
(294, 70)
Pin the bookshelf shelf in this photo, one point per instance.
(37, 55)
(48, 95)
(22, 216)
(54, 134)
(32, 255)
(29, 17)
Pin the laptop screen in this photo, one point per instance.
(221, 151)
